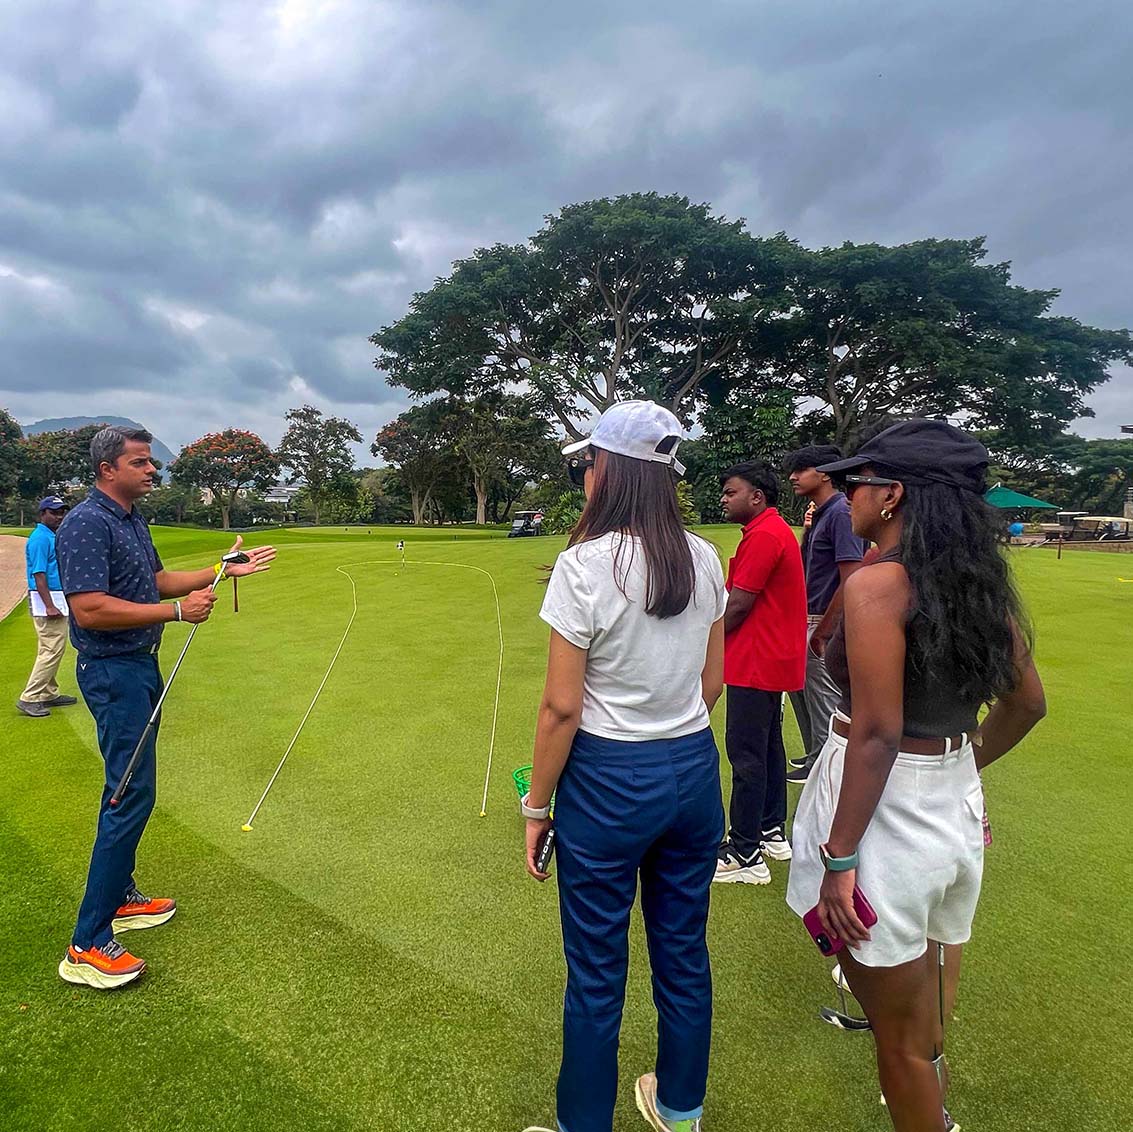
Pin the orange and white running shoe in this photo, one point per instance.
(105, 967)
(141, 912)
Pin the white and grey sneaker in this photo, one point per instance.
(732, 868)
(645, 1093)
(773, 843)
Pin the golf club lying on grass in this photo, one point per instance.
(236, 557)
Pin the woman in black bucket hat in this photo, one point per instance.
(932, 631)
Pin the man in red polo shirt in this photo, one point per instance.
(764, 656)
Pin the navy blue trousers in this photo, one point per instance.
(624, 809)
(121, 692)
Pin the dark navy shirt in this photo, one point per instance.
(830, 540)
(103, 548)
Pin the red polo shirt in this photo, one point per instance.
(768, 650)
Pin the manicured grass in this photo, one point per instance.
(372, 955)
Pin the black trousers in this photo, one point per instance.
(754, 742)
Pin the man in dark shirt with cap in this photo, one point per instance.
(115, 582)
(831, 553)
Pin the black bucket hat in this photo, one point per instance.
(922, 452)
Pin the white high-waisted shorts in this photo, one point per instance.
(921, 856)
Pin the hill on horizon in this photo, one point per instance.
(54, 424)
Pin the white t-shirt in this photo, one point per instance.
(642, 672)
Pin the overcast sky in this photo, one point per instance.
(207, 208)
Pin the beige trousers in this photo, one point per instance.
(52, 634)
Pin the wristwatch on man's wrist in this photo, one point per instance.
(837, 864)
(536, 812)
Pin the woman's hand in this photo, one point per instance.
(536, 828)
(836, 910)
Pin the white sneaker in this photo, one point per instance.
(774, 844)
(645, 1093)
(731, 868)
(840, 979)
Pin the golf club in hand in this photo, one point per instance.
(196, 609)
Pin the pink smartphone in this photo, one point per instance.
(832, 945)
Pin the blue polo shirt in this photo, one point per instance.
(829, 540)
(40, 554)
(103, 548)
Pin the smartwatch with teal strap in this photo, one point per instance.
(838, 864)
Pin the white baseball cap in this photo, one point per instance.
(635, 429)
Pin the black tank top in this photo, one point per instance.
(932, 707)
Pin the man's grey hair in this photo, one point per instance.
(109, 443)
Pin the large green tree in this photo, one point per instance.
(752, 423)
(929, 329)
(11, 454)
(316, 449)
(52, 459)
(639, 295)
(419, 443)
(225, 464)
(496, 435)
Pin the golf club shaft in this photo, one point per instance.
(128, 773)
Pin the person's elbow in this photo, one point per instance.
(563, 710)
(84, 610)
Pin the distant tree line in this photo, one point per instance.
(758, 344)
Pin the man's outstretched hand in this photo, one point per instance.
(259, 559)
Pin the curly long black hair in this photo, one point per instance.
(966, 608)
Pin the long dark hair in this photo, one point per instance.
(637, 498)
(966, 606)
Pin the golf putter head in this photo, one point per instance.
(843, 1019)
(235, 558)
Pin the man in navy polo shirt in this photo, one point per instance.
(831, 553)
(45, 597)
(114, 582)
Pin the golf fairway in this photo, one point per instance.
(372, 956)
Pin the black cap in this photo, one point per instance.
(812, 457)
(921, 452)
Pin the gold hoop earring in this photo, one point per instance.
(886, 514)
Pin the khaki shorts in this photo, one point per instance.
(921, 856)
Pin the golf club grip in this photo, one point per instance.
(128, 773)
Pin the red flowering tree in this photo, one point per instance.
(226, 463)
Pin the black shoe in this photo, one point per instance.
(773, 843)
(949, 1123)
(799, 774)
(36, 711)
(733, 868)
(61, 701)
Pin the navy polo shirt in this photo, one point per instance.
(829, 540)
(103, 548)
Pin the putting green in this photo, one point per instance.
(373, 956)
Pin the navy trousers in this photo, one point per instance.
(121, 692)
(624, 809)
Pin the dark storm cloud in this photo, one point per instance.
(206, 209)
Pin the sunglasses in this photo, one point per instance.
(576, 469)
(850, 483)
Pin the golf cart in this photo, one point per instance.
(1080, 527)
(525, 524)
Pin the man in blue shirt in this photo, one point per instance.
(831, 553)
(48, 612)
(115, 582)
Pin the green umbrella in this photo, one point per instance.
(1008, 500)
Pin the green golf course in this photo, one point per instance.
(373, 956)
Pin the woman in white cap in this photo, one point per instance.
(891, 814)
(636, 606)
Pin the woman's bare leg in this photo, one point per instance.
(903, 1006)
